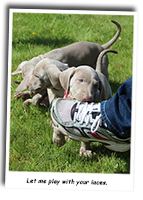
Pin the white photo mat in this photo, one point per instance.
(73, 181)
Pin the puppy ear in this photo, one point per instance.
(102, 93)
(65, 77)
(104, 87)
(53, 74)
(19, 68)
(23, 84)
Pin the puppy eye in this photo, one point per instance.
(36, 76)
(96, 86)
(80, 80)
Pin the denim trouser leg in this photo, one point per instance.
(116, 112)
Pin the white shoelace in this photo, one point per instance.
(84, 115)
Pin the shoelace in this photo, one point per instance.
(84, 115)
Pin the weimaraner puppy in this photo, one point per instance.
(40, 98)
(87, 85)
(42, 76)
(26, 68)
(46, 75)
(83, 82)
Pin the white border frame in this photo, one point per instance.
(115, 182)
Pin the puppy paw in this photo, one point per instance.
(67, 138)
(23, 95)
(85, 149)
(59, 141)
(85, 153)
(18, 95)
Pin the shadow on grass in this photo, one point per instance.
(114, 85)
(54, 42)
(101, 151)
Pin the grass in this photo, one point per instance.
(31, 146)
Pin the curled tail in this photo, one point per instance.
(99, 60)
(108, 44)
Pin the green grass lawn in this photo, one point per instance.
(31, 146)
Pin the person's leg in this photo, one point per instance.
(116, 112)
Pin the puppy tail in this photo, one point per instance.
(108, 44)
(99, 60)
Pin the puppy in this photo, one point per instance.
(36, 80)
(87, 85)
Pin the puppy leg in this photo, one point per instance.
(25, 103)
(36, 100)
(58, 138)
(23, 95)
(85, 149)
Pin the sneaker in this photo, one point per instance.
(83, 121)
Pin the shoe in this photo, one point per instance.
(83, 121)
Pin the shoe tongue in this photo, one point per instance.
(73, 110)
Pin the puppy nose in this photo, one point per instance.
(87, 99)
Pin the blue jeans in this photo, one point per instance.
(116, 112)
